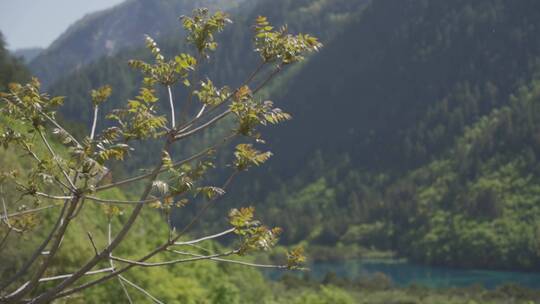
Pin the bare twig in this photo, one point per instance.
(61, 277)
(201, 111)
(270, 77)
(64, 276)
(4, 239)
(232, 261)
(120, 202)
(111, 262)
(55, 157)
(57, 125)
(175, 165)
(204, 126)
(94, 122)
(171, 101)
(206, 238)
(157, 264)
(200, 214)
(54, 197)
(126, 292)
(142, 290)
(21, 213)
(36, 253)
(91, 238)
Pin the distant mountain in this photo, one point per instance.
(28, 54)
(107, 32)
(233, 60)
(11, 67)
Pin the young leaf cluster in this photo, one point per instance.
(251, 113)
(201, 28)
(280, 46)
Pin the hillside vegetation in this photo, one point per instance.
(417, 127)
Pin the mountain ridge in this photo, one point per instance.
(106, 32)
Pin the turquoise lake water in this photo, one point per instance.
(403, 274)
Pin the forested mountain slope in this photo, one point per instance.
(424, 119)
(12, 69)
(107, 32)
(397, 86)
(392, 143)
(231, 64)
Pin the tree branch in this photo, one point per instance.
(232, 261)
(206, 238)
(204, 126)
(60, 277)
(4, 239)
(57, 291)
(36, 253)
(188, 124)
(159, 249)
(57, 125)
(54, 197)
(119, 202)
(55, 157)
(111, 262)
(16, 214)
(173, 262)
(171, 101)
(64, 222)
(142, 290)
(94, 123)
(175, 165)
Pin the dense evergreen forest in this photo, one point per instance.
(11, 67)
(416, 131)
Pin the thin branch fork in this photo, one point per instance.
(142, 290)
(58, 126)
(37, 253)
(55, 157)
(175, 165)
(60, 277)
(204, 126)
(250, 78)
(159, 249)
(57, 290)
(57, 241)
(224, 114)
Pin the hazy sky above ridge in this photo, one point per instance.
(36, 23)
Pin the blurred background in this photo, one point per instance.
(409, 171)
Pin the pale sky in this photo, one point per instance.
(36, 23)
